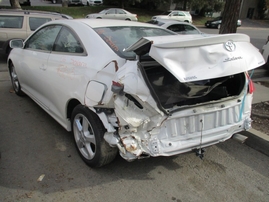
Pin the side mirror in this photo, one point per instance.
(16, 43)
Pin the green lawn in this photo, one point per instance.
(81, 12)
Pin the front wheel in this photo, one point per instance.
(88, 131)
(15, 80)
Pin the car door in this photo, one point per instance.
(11, 27)
(120, 14)
(34, 78)
(67, 67)
(110, 14)
(181, 16)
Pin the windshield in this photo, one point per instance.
(166, 13)
(217, 18)
(120, 38)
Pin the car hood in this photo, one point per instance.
(199, 57)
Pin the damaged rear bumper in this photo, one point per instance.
(179, 134)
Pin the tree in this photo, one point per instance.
(15, 4)
(261, 8)
(230, 16)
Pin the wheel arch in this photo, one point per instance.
(70, 107)
(9, 62)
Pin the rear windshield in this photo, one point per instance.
(120, 38)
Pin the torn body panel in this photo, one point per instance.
(145, 133)
(159, 113)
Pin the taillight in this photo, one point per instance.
(251, 87)
(117, 87)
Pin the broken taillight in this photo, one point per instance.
(117, 87)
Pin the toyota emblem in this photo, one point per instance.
(229, 46)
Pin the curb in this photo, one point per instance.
(257, 142)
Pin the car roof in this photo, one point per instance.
(95, 23)
(33, 12)
(171, 21)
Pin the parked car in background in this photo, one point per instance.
(183, 16)
(25, 2)
(75, 3)
(176, 26)
(19, 24)
(216, 23)
(114, 13)
(93, 2)
(136, 88)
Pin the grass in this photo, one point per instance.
(82, 11)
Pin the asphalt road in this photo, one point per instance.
(32, 144)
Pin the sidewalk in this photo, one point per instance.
(261, 94)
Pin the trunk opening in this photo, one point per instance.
(169, 92)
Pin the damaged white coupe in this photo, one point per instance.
(136, 88)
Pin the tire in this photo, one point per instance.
(8, 50)
(15, 80)
(88, 131)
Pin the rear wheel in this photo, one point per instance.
(15, 80)
(88, 131)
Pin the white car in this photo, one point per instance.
(114, 13)
(92, 2)
(183, 16)
(136, 88)
(176, 26)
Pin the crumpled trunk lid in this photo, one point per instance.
(194, 58)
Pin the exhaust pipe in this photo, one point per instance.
(240, 138)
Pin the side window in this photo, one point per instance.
(190, 30)
(8, 21)
(174, 13)
(176, 28)
(181, 14)
(44, 38)
(119, 11)
(67, 42)
(111, 11)
(35, 22)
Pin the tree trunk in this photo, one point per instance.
(64, 3)
(15, 4)
(185, 5)
(230, 16)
